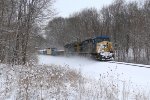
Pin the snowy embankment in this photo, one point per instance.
(77, 78)
(36, 82)
(94, 69)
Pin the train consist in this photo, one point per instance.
(51, 51)
(99, 47)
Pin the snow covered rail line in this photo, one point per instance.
(131, 64)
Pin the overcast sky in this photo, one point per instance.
(67, 7)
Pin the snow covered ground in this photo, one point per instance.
(101, 81)
(91, 68)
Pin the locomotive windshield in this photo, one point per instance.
(101, 38)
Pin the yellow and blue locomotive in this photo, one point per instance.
(99, 47)
(103, 48)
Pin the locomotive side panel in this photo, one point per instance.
(86, 46)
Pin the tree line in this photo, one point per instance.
(19, 28)
(126, 23)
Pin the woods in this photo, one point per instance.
(127, 24)
(19, 26)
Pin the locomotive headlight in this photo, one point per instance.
(102, 51)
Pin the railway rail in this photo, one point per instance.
(131, 64)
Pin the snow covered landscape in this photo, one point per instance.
(133, 77)
(74, 78)
(75, 50)
(93, 68)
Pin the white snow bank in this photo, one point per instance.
(92, 68)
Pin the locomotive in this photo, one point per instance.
(99, 47)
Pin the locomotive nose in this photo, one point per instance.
(104, 50)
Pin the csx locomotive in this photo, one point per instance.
(99, 47)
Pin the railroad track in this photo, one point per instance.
(131, 64)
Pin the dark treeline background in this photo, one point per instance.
(19, 29)
(127, 24)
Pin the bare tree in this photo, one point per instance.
(17, 26)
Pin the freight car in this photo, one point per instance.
(99, 47)
(48, 51)
(51, 51)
